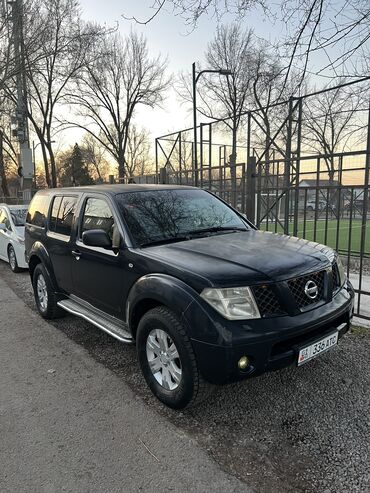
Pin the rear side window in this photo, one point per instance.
(62, 220)
(54, 213)
(38, 211)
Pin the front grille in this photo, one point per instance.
(267, 302)
(336, 278)
(297, 287)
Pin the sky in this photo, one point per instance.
(168, 35)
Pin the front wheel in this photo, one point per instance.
(167, 360)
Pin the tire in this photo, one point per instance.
(45, 297)
(13, 260)
(175, 379)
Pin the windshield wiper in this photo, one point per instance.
(189, 234)
(215, 229)
(163, 241)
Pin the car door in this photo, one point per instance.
(97, 274)
(59, 243)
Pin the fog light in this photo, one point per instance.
(243, 363)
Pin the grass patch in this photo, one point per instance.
(360, 331)
(341, 235)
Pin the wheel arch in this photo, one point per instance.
(155, 290)
(40, 255)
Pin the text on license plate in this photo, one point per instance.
(318, 347)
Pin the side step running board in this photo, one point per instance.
(113, 327)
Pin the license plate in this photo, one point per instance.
(318, 347)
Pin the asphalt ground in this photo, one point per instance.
(296, 430)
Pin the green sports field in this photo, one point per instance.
(349, 236)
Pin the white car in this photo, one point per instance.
(12, 222)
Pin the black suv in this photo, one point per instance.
(207, 298)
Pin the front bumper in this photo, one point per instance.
(269, 344)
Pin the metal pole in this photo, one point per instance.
(195, 164)
(180, 157)
(156, 162)
(201, 127)
(287, 166)
(34, 163)
(298, 168)
(26, 163)
(364, 212)
(210, 156)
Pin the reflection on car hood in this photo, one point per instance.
(244, 257)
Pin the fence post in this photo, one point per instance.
(297, 169)
(156, 161)
(288, 164)
(364, 211)
(251, 189)
(163, 176)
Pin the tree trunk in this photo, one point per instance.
(333, 193)
(53, 168)
(46, 165)
(3, 178)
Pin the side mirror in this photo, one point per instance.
(2, 227)
(97, 238)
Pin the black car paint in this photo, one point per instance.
(128, 282)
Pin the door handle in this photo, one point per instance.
(76, 254)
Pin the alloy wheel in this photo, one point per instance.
(12, 258)
(42, 292)
(163, 359)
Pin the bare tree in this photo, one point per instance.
(192, 10)
(95, 157)
(64, 42)
(120, 77)
(8, 146)
(226, 97)
(333, 124)
(269, 90)
(339, 31)
(138, 160)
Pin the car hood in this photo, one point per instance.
(244, 257)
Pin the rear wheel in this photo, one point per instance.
(45, 297)
(167, 360)
(13, 259)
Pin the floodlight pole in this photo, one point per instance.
(195, 80)
(25, 169)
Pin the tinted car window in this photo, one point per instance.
(160, 215)
(19, 216)
(54, 213)
(65, 216)
(38, 210)
(97, 215)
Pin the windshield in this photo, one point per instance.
(19, 216)
(161, 215)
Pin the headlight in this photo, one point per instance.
(20, 240)
(232, 303)
(342, 274)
